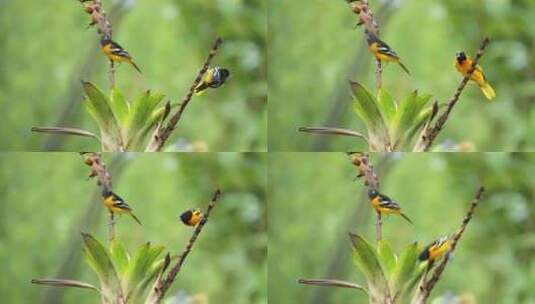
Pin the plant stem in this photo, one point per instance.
(425, 288)
(161, 287)
(332, 283)
(111, 74)
(378, 74)
(428, 136)
(378, 226)
(161, 135)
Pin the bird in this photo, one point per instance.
(191, 217)
(382, 51)
(385, 205)
(115, 52)
(214, 78)
(435, 250)
(116, 204)
(463, 64)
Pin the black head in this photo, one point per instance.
(186, 216)
(461, 57)
(373, 193)
(225, 73)
(106, 192)
(105, 40)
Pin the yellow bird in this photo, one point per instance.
(116, 204)
(191, 217)
(385, 205)
(435, 250)
(214, 78)
(382, 51)
(115, 52)
(463, 64)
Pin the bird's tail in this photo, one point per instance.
(406, 218)
(404, 68)
(488, 91)
(199, 90)
(135, 218)
(135, 66)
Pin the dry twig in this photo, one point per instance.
(162, 285)
(425, 288)
(162, 133)
(430, 133)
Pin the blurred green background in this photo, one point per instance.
(47, 50)
(47, 202)
(313, 51)
(310, 215)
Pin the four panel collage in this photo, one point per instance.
(267, 151)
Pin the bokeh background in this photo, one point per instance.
(46, 202)
(310, 215)
(313, 50)
(47, 50)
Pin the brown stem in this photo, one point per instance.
(426, 287)
(160, 137)
(111, 74)
(111, 228)
(162, 286)
(378, 74)
(332, 283)
(378, 226)
(427, 138)
(333, 131)
(364, 168)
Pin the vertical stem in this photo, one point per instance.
(378, 226)
(111, 74)
(111, 228)
(378, 74)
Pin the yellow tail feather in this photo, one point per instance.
(488, 91)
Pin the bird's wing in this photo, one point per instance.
(383, 48)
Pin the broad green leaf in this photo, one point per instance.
(386, 256)
(119, 106)
(365, 105)
(366, 260)
(405, 269)
(153, 273)
(154, 118)
(407, 114)
(140, 112)
(119, 256)
(139, 268)
(98, 258)
(99, 107)
(387, 105)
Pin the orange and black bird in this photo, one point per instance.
(191, 217)
(463, 64)
(382, 51)
(116, 204)
(214, 78)
(385, 205)
(435, 250)
(115, 52)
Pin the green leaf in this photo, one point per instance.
(119, 106)
(407, 114)
(98, 106)
(386, 256)
(139, 269)
(366, 260)
(141, 111)
(365, 106)
(405, 269)
(119, 256)
(99, 260)
(387, 105)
